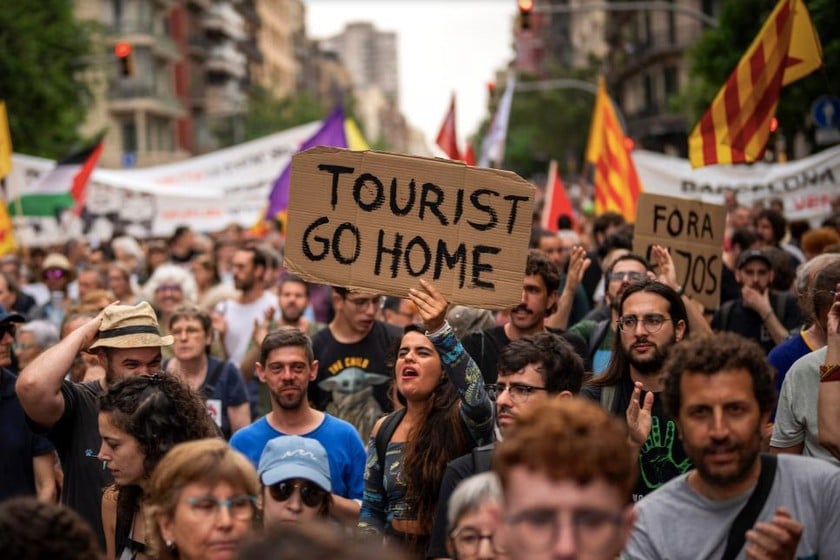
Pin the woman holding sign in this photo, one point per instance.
(447, 412)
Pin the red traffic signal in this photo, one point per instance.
(125, 57)
(122, 49)
(525, 9)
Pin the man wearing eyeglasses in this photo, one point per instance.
(599, 334)
(531, 370)
(652, 318)
(567, 475)
(354, 339)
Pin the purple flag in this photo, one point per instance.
(332, 134)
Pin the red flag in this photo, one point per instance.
(446, 138)
(469, 155)
(556, 202)
(80, 181)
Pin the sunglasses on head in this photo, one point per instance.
(311, 494)
(54, 273)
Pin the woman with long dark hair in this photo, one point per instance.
(140, 419)
(446, 413)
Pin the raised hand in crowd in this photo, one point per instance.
(578, 264)
(668, 276)
(430, 304)
(639, 416)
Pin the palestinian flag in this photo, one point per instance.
(63, 187)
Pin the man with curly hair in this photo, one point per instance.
(736, 501)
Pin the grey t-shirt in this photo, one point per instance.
(796, 415)
(675, 522)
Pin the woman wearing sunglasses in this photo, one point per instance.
(295, 475)
(140, 419)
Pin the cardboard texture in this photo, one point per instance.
(693, 231)
(378, 222)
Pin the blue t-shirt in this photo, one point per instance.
(345, 451)
(785, 353)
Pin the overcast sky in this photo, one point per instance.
(443, 46)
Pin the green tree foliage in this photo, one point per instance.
(717, 52)
(546, 125)
(268, 114)
(44, 51)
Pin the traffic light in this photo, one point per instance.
(526, 7)
(125, 58)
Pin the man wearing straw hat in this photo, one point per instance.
(127, 341)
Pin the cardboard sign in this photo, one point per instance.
(693, 231)
(380, 222)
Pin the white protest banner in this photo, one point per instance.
(806, 186)
(206, 192)
(379, 222)
(693, 231)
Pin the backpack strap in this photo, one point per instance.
(749, 513)
(483, 458)
(725, 309)
(599, 333)
(209, 385)
(608, 397)
(384, 435)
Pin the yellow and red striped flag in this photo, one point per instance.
(617, 184)
(736, 127)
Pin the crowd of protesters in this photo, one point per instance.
(190, 398)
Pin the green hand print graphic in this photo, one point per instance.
(656, 458)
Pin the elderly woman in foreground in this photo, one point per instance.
(202, 501)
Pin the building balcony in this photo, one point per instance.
(144, 34)
(635, 54)
(222, 19)
(226, 60)
(130, 97)
(197, 46)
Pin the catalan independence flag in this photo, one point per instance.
(617, 185)
(736, 127)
